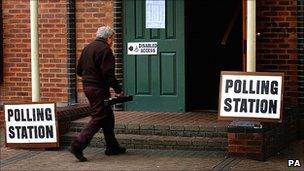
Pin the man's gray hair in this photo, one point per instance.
(104, 32)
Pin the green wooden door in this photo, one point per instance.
(157, 82)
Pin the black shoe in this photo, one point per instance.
(115, 151)
(78, 154)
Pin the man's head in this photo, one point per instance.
(106, 33)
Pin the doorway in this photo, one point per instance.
(213, 44)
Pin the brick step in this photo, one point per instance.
(134, 141)
(162, 130)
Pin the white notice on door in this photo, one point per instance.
(155, 13)
(142, 48)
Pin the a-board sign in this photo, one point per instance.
(32, 125)
(142, 48)
(256, 96)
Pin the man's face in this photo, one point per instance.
(110, 40)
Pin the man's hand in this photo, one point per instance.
(120, 94)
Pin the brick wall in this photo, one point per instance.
(301, 64)
(17, 55)
(263, 141)
(277, 45)
(277, 50)
(52, 48)
(301, 51)
(245, 143)
(89, 16)
(1, 44)
(118, 43)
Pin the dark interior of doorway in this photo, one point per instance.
(211, 47)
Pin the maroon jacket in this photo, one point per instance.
(96, 66)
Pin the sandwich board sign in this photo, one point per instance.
(256, 96)
(31, 125)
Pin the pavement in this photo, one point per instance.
(142, 159)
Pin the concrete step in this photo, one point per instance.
(134, 141)
(161, 129)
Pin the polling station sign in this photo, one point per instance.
(31, 125)
(142, 48)
(251, 96)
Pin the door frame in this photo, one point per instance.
(121, 49)
(180, 60)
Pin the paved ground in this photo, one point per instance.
(61, 159)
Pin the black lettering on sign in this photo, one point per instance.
(245, 91)
(237, 86)
(229, 84)
(236, 101)
(28, 115)
(25, 115)
(24, 132)
(243, 107)
(10, 113)
(34, 115)
(36, 132)
(265, 87)
(30, 128)
(31, 132)
(40, 115)
(274, 87)
(41, 131)
(18, 131)
(227, 106)
(17, 115)
(257, 106)
(264, 104)
(48, 114)
(11, 132)
(251, 103)
(258, 87)
(49, 131)
(22, 116)
(272, 106)
(251, 91)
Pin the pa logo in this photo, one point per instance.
(294, 163)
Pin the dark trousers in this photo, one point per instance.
(101, 117)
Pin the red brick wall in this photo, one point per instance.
(17, 55)
(277, 45)
(89, 16)
(245, 144)
(276, 51)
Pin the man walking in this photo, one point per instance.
(96, 66)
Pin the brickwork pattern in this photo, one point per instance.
(151, 130)
(245, 142)
(261, 143)
(17, 51)
(118, 43)
(89, 16)
(71, 51)
(277, 43)
(1, 44)
(301, 51)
